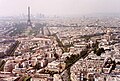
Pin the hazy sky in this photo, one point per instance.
(59, 7)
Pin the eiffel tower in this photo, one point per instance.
(29, 24)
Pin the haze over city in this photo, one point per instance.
(59, 7)
(59, 40)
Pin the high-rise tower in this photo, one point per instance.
(29, 24)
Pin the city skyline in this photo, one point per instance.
(59, 40)
(59, 7)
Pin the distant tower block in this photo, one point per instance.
(29, 24)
